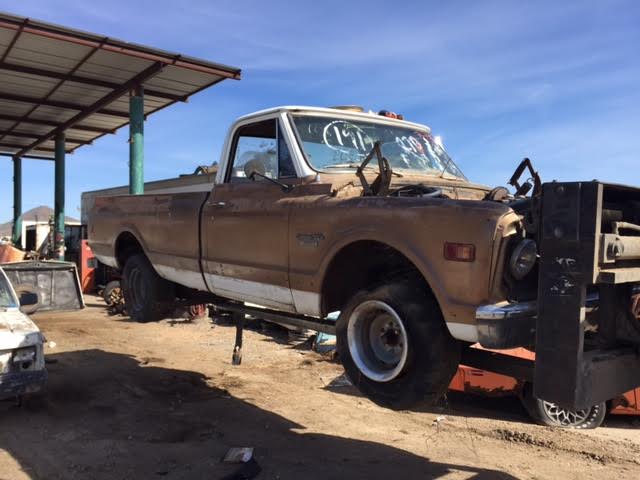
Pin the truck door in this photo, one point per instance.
(245, 222)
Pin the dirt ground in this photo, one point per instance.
(162, 400)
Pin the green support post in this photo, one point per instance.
(17, 202)
(136, 142)
(58, 220)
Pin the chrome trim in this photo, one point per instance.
(504, 310)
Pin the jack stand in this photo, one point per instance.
(238, 318)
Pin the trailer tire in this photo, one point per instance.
(148, 297)
(395, 346)
(551, 415)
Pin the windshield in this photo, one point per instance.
(7, 299)
(340, 143)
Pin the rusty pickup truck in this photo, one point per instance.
(316, 211)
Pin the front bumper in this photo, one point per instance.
(16, 384)
(507, 325)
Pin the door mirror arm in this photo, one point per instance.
(286, 188)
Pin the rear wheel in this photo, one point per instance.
(395, 346)
(148, 297)
(112, 291)
(552, 415)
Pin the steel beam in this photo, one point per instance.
(17, 202)
(85, 80)
(8, 133)
(146, 74)
(58, 218)
(18, 146)
(33, 157)
(51, 123)
(15, 38)
(136, 141)
(12, 97)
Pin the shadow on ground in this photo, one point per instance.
(107, 415)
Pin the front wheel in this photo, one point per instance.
(395, 346)
(552, 415)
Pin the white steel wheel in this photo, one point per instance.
(378, 341)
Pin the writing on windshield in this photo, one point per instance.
(335, 143)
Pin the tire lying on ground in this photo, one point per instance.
(111, 288)
(395, 346)
(147, 296)
(552, 415)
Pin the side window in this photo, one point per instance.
(255, 144)
(261, 147)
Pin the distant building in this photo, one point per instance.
(36, 229)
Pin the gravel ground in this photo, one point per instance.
(162, 400)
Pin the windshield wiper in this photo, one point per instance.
(444, 167)
(380, 186)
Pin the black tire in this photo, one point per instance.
(109, 289)
(432, 354)
(551, 415)
(147, 296)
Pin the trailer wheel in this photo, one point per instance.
(147, 296)
(552, 415)
(394, 345)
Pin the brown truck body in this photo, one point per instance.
(251, 241)
(418, 261)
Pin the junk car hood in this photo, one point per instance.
(17, 330)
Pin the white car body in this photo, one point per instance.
(22, 369)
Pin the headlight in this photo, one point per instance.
(523, 258)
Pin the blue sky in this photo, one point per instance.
(498, 80)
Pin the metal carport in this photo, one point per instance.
(61, 89)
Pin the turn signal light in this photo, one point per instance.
(459, 252)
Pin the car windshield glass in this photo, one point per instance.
(7, 299)
(334, 143)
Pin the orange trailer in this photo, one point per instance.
(482, 382)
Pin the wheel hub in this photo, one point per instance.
(377, 340)
(564, 417)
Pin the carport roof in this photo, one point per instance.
(54, 79)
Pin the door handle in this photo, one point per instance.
(218, 204)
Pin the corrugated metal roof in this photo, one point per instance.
(54, 79)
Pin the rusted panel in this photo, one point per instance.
(9, 253)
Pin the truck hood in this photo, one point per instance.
(349, 185)
(17, 330)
